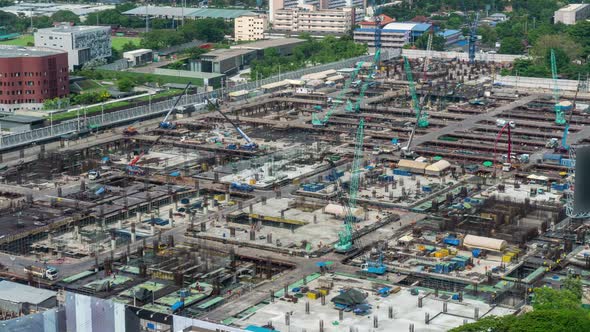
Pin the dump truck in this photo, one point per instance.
(47, 272)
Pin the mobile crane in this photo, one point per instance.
(165, 124)
(250, 145)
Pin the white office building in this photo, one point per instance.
(572, 13)
(83, 43)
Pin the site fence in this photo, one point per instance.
(146, 111)
(485, 57)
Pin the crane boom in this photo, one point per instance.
(165, 123)
(238, 129)
(564, 145)
(473, 39)
(345, 242)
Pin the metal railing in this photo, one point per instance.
(144, 111)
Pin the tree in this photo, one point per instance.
(125, 84)
(489, 36)
(547, 298)
(563, 41)
(574, 285)
(65, 16)
(454, 22)
(438, 42)
(511, 45)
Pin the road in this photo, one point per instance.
(472, 120)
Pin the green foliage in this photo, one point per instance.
(554, 310)
(65, 16)
(91, 98)
(312, 52)
(438, 42)
(137, 78)
(511, 45)
(489, 36)
(206, 29)
(56, 103)
(125, 84)
(195, 52)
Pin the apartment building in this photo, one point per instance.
(250, 27)
(572, 13)
(311, 20)
(82, 43)
(359, 5)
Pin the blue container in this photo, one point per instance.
(401, 172)
(426, 189)
(451, 241)
(175, 174)
(476, 252)
(185, 201)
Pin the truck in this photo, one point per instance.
(47, 272)
(93, 174)
(241, 187)
(506, 167)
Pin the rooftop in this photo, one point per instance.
(18, 293)
(9, 51)
(572, 7)
(223, 54)
(188, 12)
(73, 28)
(262, 44)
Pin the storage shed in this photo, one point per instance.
(21, 299)
(486, 243)
(438, 168)
(412, 166)
(339, 210)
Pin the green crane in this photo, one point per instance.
(357, 106)
(421, 116)
(345, 242)
(315, 120)
(559, 114)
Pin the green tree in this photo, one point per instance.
(547, 298)
(65, 16)
(574, 285)
(125, 84)
(454, 22)
(562, 41)
(438, 42)
(511, 45)
(489, 36)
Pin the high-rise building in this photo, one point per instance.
(250, 27)
(82, 43)
(29, 75)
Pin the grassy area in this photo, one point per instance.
(107, 107)
(23, 40)
(118, 42)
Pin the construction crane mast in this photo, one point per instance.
(345, 242)
(427, 57)
(473, 39)
(559, 114)
(421, 116)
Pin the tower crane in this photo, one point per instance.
(564, 146)
(473, 39)
(165, 124)
(559, 115)
(250, 145)
(421, 116)
(345, 241)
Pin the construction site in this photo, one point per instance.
(417, 192)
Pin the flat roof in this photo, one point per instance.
(188, 12)
(19, 293)
(74, 28)
(572, 7)
(9, 51)
(223, 54)
(219, 13)
(140, 51)
(262, 44)
(22, 118)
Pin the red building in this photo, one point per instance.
(29, 75)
